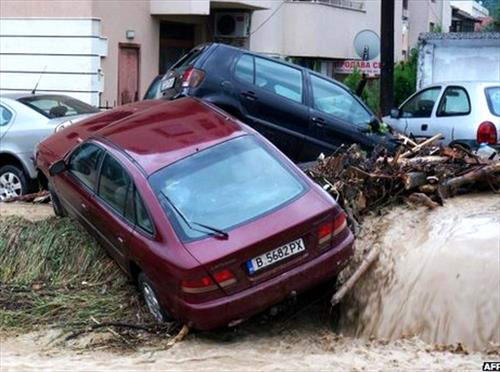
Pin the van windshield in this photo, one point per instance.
(225, 186)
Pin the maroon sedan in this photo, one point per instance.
(212, 222)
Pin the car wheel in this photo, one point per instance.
(59, 210)
(12, 182)
(151, 299)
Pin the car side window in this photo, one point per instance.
(332, 99)
(84, 164)
(114, 184)
(421, 105)
(142, 217)
(5, 116)
(278, 78)
(455, 102)
(244, 70)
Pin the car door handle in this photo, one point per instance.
(320, 122)
(251, 96)
(120, 239)
(424, 126)
(84, 206)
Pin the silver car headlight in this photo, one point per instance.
(63, 125)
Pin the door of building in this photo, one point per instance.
(128, 74)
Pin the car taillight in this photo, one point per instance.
(329, 229)
(192, 77)
(206, 283)
(487, 133)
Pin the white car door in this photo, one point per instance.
(418, 112)
(454, 110)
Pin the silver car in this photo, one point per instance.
(463, 112)
(25, 120)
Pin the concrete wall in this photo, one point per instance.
(45, 8)
(422, 12)
(119, 16)
(472, 7)
(459, 57)
(63, 54)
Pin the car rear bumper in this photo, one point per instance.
(244, 304)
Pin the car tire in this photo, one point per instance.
(59, 210)
(13, 182)
(151, 299)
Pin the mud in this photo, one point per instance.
(438, 276)
(436, 283)
(32, 212)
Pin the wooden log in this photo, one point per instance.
(420, 146)
(424, 160)
(27, 197)
(451, 185)
(413, 180)
(365, 264)
(423, 199)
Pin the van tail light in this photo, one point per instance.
(192, 78)
(487, 133)
(204, 284)
(328, 230)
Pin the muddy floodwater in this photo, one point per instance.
(431, 301)
(438, 276)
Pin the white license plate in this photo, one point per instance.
(167, 84)
(276, 255)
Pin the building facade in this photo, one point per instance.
(106, 52)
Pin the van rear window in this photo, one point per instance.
(493, 98)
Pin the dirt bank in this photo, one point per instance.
(32, 212)
(438, 276)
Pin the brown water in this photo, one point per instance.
(438, 276)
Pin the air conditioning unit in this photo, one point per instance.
(232, 25)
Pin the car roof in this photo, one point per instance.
(168, 131)
(17, 96)
(467, 83)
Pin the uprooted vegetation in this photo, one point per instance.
(52, 273)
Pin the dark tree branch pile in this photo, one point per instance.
(419, 173)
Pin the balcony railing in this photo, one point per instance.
(348, 4)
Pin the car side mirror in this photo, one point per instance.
(395, 113)
(57, 168)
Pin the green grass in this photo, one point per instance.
(53, 273)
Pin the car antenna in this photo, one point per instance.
(38, 82)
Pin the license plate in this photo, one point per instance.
(167, 84)
(276, 255)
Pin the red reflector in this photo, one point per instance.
(206, 284)
(328, 230)
(223, 276)
(325, 230)
(340, 223)
(202, 285)
(487, 133)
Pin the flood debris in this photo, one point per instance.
(420, 173)
(36, 198)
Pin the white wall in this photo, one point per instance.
(65, 52)
(458, 60)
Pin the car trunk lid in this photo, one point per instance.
(292, 228)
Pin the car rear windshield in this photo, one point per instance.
(493, 97)
(225, 186)
(189, 59)
(56, 106)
